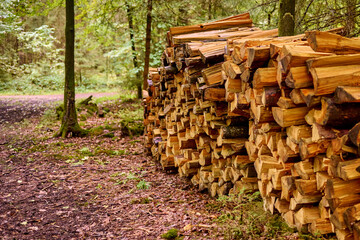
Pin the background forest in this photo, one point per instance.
(32, 36)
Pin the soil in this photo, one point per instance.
(94, 187)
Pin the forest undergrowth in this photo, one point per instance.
(106, 186)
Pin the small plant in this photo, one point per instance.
(120, 152)
(129, 177)
(116, 174)
(134, 141)
(110, 152)
(132, 176)
(170, 234)
(85, 150)
(143, 185)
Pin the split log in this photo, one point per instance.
(289, 117)
(326, 79)
(306, 187)
(307, 215)
(332, 61)
(234, 131)
(306, 199)
(337, 218)
(348, 170)
(343, 116)
(354, 135)
(212, 55)
(296, 133)
(304, 169)
(296, 56)
(332, 43)
(214, 94)
(345, 94)
(233, 85)
(246, 75)
(312, 149)
(296, 97)
(232, 70)
(270, 96)
(258, 56)
(241, 20)
(212, 75)
(286, 103)
(265, 77)
(322, 132)
(309, 97)
(343, 201)
(298, 77)
(336, 187)
(351, 215)
(320, 225)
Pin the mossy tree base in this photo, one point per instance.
(75, 131)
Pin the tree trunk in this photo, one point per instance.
(69, 124)
(350, 18)
(287, 18)
(210, 9)
(133, 49)
(147, 44)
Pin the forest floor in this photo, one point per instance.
(103, 186)
(16, 108)
(93, 187)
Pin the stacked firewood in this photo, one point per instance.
(238, 109)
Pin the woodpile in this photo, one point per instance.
(237, 109)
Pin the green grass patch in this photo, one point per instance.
(244, 218)
(131, 120)
(170, 234)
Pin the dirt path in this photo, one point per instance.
(15, 108)
(92, 188)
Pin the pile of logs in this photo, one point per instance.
(237, 109)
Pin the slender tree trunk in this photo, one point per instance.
(351, 17)
(133, 49)
(69, 124)
(210, 9)
(147, 44)
(270, 13)
(287, 18)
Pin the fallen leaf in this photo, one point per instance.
(188, 227)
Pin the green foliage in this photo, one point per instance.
(132, 176)
(110, 152)
(132, 120)
(48, 119)
(32, 36)
(143, 185)
(170, 234)
(243, 217)
(35, 59)
(85, 150)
